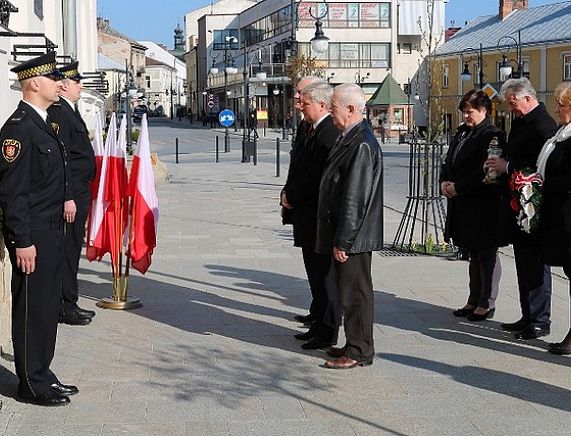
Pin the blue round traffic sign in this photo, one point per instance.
(226, 118)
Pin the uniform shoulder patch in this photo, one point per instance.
(11, 149)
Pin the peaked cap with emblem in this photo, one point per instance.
(70, 71)
(44, 65)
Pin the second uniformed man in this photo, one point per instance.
(71, 129)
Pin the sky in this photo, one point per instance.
(155, 20)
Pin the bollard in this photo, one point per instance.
(277, 157)
(255, 156)
(216, 158)
(176, 149)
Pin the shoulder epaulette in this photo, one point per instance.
(17, 117)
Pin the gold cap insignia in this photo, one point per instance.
(11, 150)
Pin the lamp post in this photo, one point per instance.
(319, 42)
(466, 75)
(504, 47)
(260, 75)
(130, 91)
(228, 69)
(359, 79)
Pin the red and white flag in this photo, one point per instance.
(98, 149)
(145, 204)
(108, 216)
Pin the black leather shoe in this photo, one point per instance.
(317, 343)
(532, 332)
(48, 398)
(85, 313)
(517, 326)
(74, 318)
(304, 319)
(305, 336)
(64, 389)
(463, 312)
(560, 350)
(476, 317)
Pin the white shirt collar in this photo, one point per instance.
(320, 120)
(68, 101)
(42, 113)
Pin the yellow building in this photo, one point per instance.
(535, 42)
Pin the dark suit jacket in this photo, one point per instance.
(525, 140)
(302, 186)
(72, 131)
(555, 216)
(477, 217)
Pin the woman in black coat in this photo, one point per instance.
(476, 210)
(554, 164)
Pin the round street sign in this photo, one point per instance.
(210, 104)
(226, 117)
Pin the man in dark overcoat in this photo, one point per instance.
(72, 130)
(531, 127)
(300, 196)
(32, 187)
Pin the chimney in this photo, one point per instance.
(508, 6)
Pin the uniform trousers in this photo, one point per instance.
(534, 282)
(356, 292)
(73, 243)
(36, 300)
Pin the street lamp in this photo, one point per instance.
(130, 91)
(360, 79)
(504, 47)
(228, 69)
(466, 75)
(319, 42)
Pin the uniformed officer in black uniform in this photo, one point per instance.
(72, 130)
(32, 186)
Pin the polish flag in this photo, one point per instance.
(109, 216)
(145, 204)
(97, 145)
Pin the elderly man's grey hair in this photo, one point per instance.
(319, 92)
(308, 80)
(518, 87)
(351, 94)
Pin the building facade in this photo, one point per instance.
(536, 42)
(367, 40)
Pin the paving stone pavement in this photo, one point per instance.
(212, 351)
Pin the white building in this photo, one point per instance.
(367, 40)
(166, 82)
(67, 24)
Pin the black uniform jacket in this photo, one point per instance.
(302, 186)
(71, 129)
(32, 176)
(351, 195)
(555, 215)
(478, 217)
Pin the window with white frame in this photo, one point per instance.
(566, 66)
(445, 76)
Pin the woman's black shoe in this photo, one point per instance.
(475, 317)
(463, 312)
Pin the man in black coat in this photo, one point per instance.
(32, 186)
(349, 222)
(300, 196)
(72, 130)
(531, 127)
(287, 210)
